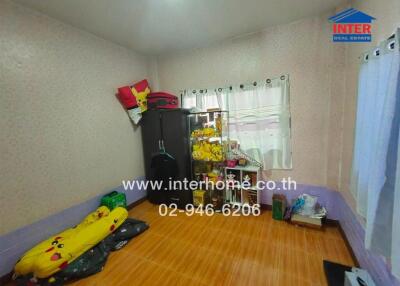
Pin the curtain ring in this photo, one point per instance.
(377, 52)
(201, 91)
(282, 77)
(194, 91)
(391, 45)
(220, 89)
(366, 56)
(255, 83)
(230, 87)
(241, 86)
(268, 80)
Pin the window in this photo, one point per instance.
(259, 117)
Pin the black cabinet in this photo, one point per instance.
(170, 128)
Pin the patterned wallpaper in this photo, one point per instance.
(64, 135)
(303, 50)
(65, 138)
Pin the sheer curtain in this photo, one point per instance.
(375, 159)
(395, 255)
(259, 117)
(203, 99)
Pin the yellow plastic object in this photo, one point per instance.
(199, 197)
(55, 253)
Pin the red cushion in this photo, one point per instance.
(126, 97)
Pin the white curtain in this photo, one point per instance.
(202, 99)
(259, 117)
(376, 145)
(395, 255)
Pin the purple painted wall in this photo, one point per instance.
(355, 233)
(15, 243)
(326, 197)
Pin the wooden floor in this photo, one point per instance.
(221, 250)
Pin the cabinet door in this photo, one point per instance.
(150, 125)
(175, 134)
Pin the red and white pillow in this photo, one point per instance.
(134, 99)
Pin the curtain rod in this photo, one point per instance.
(391, 37)
(268, 80)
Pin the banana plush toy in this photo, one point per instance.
(55, 253)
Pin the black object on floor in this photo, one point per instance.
(89, 263)
(128, 230)
(334, 272)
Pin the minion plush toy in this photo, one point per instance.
(134, 99)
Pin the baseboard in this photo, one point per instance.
(6, 278)
(336, 223)
(266, 207)
(346, 241)
(15, 243)
(329, 222)
(134, 204)
(354, 231)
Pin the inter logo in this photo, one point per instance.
(351, 25)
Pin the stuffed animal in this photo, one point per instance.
(206, 151)
(140, 90)
(204, 132)
(55, 253)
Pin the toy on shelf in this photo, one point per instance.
(242, 162)
(205, 151)
(208, 137)
(247, 179)
(214, 176)
(231, 163)
(199, 198)
(57, 252)
(205, 132)
(243, 158)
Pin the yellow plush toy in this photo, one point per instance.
(205, 151)
(55, 253)
(204, 132)
(141, 98)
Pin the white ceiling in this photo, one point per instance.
(155, 27)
